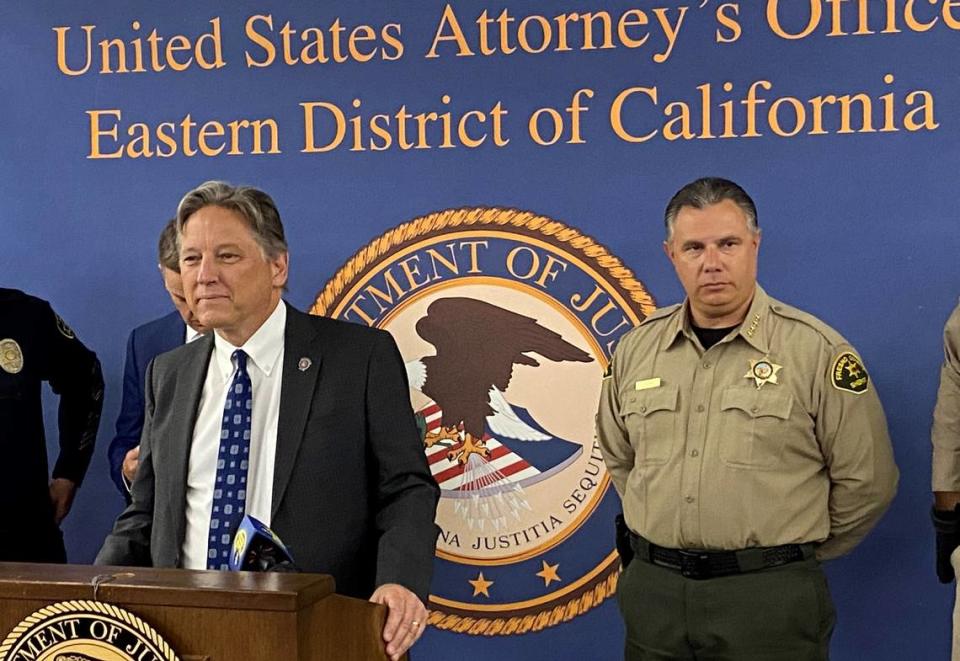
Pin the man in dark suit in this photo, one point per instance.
(325, 451)
(145, 343)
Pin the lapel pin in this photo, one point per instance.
(304, 364)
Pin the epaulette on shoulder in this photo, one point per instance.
(832, 337)
(660, 313)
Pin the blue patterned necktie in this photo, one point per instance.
(230, 489)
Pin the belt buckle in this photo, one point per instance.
(694, 564)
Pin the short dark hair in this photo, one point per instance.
(167, 254)
(705, 192)
(253, 205)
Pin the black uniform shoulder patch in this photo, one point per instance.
(64, 329)
(849, 374)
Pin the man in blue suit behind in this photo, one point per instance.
(145, 343)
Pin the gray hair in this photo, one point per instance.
(253, 205)
(706, 192)
(167, 253)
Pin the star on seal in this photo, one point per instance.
(763, 371)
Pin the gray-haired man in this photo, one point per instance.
(302, 422)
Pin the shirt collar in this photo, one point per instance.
(263, 348)
(678, 326)
(753, 329)
(754, 326)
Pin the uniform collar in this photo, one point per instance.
(678, 326)
(263, 348)
(753, 329)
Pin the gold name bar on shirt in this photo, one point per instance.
(646, 384)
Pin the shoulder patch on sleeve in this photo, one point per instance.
(11, 356)
(64, 329)
(848, 373)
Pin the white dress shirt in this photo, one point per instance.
(264, 352)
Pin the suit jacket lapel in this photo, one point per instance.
(190, 374)
(301, 369)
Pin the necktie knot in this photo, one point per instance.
(240, 357)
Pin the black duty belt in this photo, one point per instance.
(710, 564)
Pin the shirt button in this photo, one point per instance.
(706, 364)
(643, 409)
(699, 408)
(689, 499)
(754, 409)
(694, 453)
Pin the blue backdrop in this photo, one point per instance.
(859, 216)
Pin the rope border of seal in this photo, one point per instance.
(536, 621)
(85, 606)
(479, 217)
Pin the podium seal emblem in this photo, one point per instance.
(84, 631)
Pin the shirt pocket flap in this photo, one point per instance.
(757, 403)
(650, 401)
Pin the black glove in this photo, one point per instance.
(946, 523)
(623, 541)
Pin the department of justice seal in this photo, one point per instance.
(11, 356)
(84, 631)
(506, 321)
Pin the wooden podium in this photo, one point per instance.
(211, 615)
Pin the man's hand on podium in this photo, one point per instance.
(406, 618)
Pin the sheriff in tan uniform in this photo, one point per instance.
(946, 465)
(747, 443)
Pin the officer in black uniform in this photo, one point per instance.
(36, 345)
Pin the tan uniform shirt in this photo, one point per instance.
(772, 436)
(946, 415)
